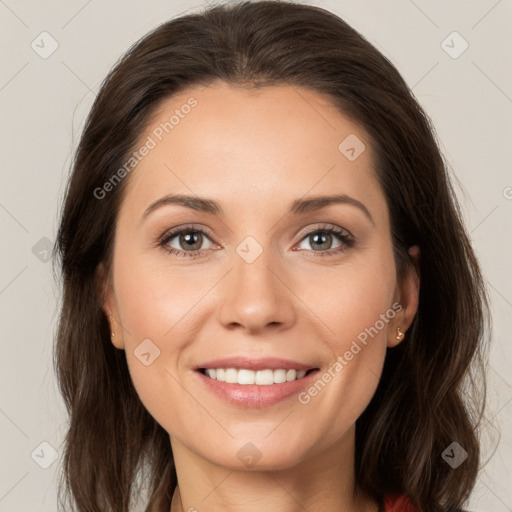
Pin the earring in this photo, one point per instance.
(400, 335)
(113, 335)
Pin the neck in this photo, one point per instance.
(325, 481)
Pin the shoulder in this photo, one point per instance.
(398, 503)
(401, 503)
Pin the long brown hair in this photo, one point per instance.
(428, 396)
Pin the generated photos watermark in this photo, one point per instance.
(342, 360)
(151, 142)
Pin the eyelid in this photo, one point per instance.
(176, 230)
(323, 226)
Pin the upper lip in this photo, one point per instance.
(267, 363)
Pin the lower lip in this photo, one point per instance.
(253, 395)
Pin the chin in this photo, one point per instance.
(254, 456)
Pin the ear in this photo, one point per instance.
(105, 291)
(407, 295)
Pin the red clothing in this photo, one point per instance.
(398, 503)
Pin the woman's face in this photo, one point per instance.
(257, 287)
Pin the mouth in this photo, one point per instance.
(263, 377)
(254, 383)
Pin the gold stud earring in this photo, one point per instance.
(400, 335)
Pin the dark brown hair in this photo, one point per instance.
(428, 396)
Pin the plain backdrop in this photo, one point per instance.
(43, 103)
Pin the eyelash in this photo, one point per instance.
(348, 241)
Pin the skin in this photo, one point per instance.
(255, 152)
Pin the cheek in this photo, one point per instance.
(356, 304)
(152, 300)
(153, 308)
(353, 300)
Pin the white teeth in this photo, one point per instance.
(231, 376)
(291, 375)
(260, 377)
(245, 377)
(264, 377)
(279, 376)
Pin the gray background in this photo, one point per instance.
(43, 106)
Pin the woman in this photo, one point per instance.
(211, 352)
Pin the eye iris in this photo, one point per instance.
(189, 239)
(322, 236)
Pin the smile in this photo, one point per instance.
(254, 383)
(246, 377)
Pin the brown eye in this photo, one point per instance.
(191, 240)
(186, 242)
(321, 240)
(328, 240)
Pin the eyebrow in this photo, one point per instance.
(298, 207)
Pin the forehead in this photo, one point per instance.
(236, 144)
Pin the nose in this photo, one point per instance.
(255, 296)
